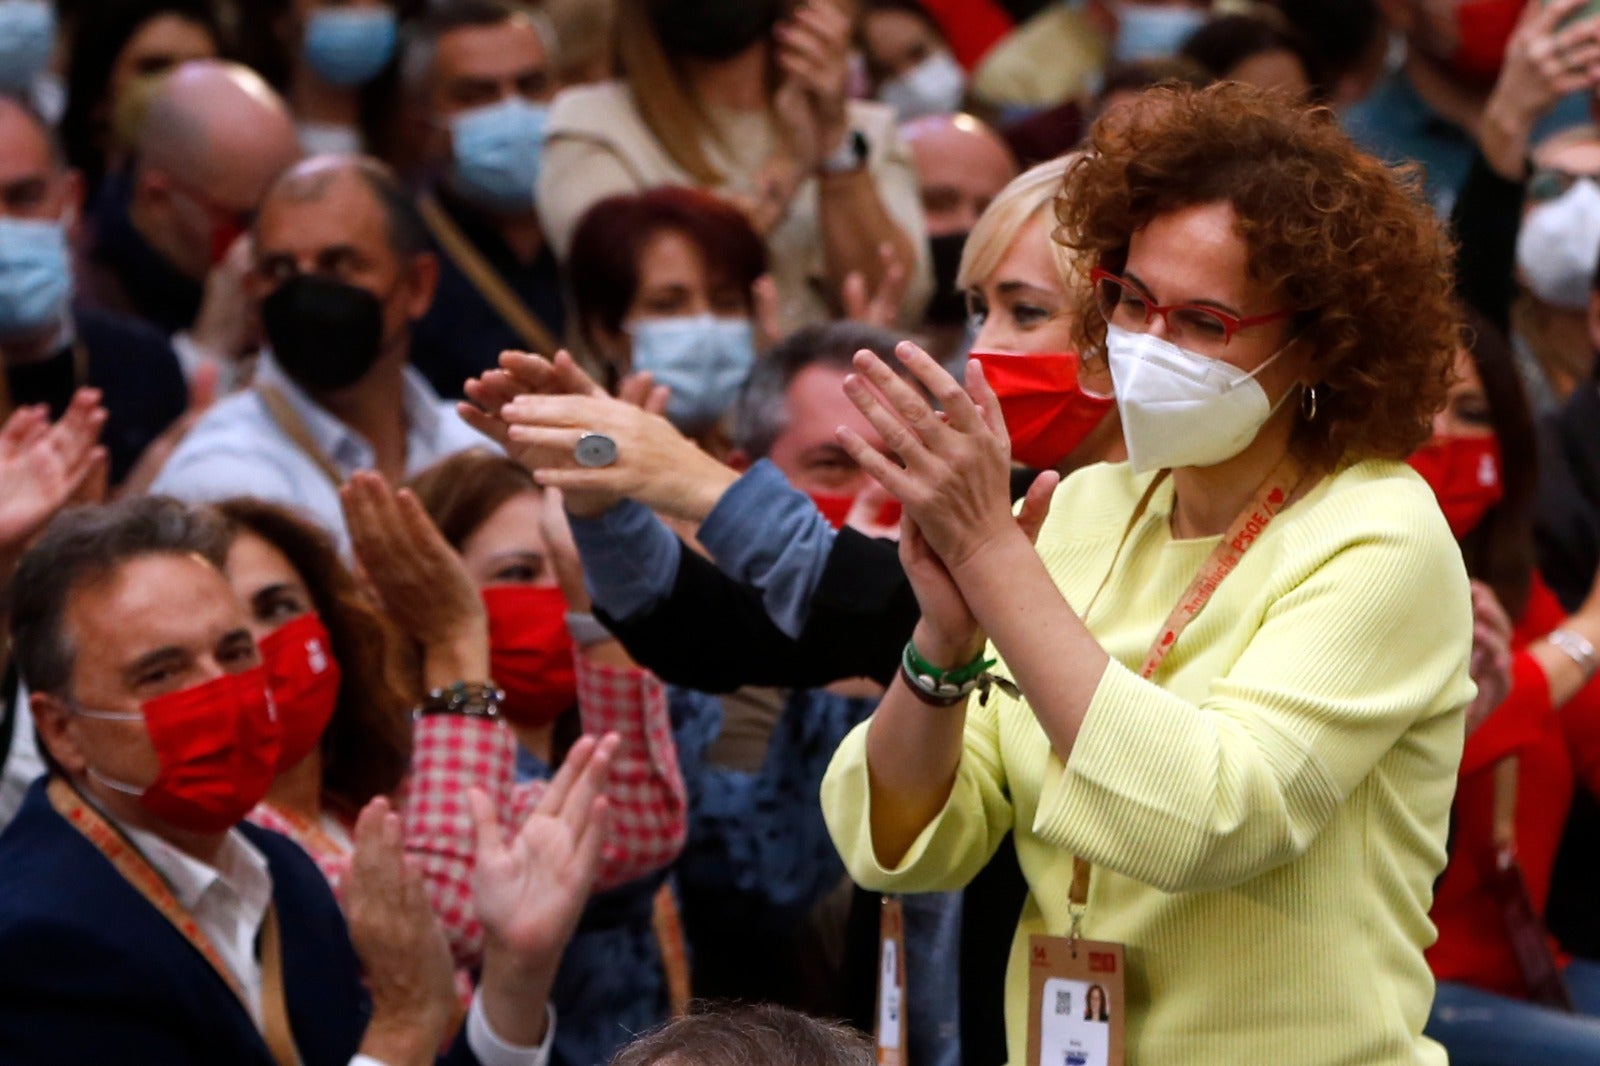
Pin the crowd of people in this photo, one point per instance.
(567, 532)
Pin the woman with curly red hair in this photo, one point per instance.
(1223, 696)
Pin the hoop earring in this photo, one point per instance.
(1308, 402)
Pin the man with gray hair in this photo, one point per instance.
(142, 920)
(479, 75)
(342, 272)
(213, 140)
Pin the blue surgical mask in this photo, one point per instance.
(27, 41)
(1153, 31)
(497, 150)
(35, 275)
(349, 46)
(701, 358)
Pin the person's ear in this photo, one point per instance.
(73, 195)
(422, 279)
(58, 730)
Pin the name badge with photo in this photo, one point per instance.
(1075, 1002)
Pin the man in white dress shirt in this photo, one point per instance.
(342, 273)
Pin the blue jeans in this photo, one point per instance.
(1481, 1028)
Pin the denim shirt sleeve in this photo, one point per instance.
(765, 533)
(758, 839)
(630, 559)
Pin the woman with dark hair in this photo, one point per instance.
(1502, 993)
(286, 569)
(1225, 688)
(747, 100)
(662, 282)
(115, 47)
(1260, 50)
(345, 688)
(1094, 1005)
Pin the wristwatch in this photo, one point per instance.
(465, 699)
(850, 156)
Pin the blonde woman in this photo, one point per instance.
(747, 100)
(834, 605)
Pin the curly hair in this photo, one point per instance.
(366, 749)
(1345, 240)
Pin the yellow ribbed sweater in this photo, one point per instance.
(1267, 816)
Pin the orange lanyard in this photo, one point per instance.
(307, 833)
(1280, 488)
(130, 862)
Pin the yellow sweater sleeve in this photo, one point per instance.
(955, 845)
(1368, 632)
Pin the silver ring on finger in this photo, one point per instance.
(594, 450)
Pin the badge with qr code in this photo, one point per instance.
(1075, 1002)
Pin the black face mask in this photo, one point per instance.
(713, 29)
(325, 334)
(949, 304)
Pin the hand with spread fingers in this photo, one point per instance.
(422, 582)
(402, 948)
(530, 887)
(954, 472)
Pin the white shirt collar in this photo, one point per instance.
(339, 442)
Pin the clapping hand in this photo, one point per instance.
(814, 56)
(530, 887)
(400, 943)
(423, 585)
(42, 466)
(1491, 655)
(1547, 58)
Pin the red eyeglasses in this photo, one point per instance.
(1125, 305)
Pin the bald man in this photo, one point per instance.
(961, 164)
(342, 273)
(214, 138)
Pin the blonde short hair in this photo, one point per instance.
(1029, 198)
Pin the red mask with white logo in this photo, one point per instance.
(1464, 473)
(304, 679)
(217, 746)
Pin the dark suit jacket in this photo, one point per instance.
(91, 973)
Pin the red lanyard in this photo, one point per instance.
(1281, 487)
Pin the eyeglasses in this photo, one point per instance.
(1550, 183)
(1125, 305)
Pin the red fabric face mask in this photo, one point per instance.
(304, 679)
(1464, 473)
(1482, 29)
(217, 745)
(836, 510)
(1047, 412)
(530, 653)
